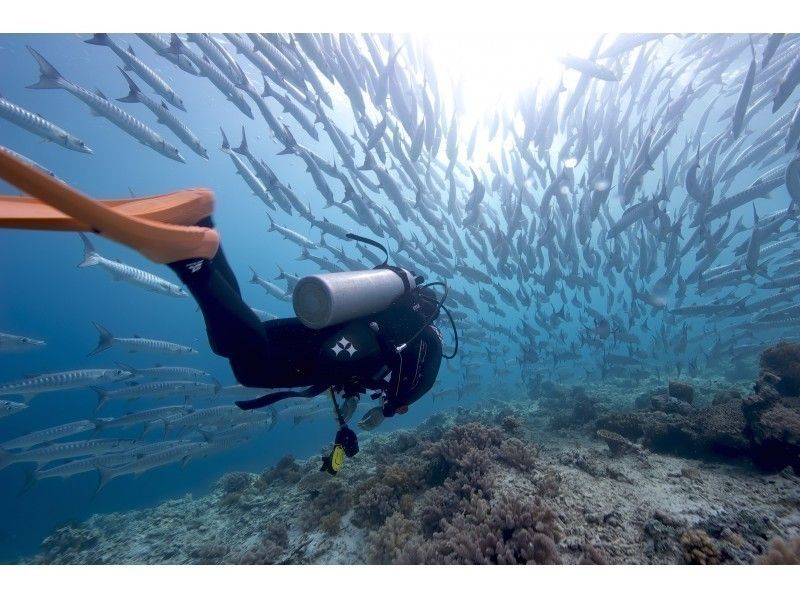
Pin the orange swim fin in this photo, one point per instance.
(181, 207)
(158, 227)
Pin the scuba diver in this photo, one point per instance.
(355, 332)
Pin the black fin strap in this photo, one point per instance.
(274, 397)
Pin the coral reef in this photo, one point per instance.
(783, 360)
(683, 391)
(235, 481)
(617, 445)
(782, 552)
(504, 530)
(699, 548)
(328, 502)
(470, 486)
(387, 543)
(286, 471)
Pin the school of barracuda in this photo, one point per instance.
(601, 206)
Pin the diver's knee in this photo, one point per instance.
(248, 374)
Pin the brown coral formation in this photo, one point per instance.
(764, 426)
(781, 552)
(682, 391)
(699, 548)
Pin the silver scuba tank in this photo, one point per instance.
(323, 300)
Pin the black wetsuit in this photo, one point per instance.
(284, 353)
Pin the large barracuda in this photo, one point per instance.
(51, 79)
(50, 434)
(66, 450)
(174, 454)
(164, 116)
(40, 126)
(137, 344)
(12, 343)
(140, 68)
(56, 381)
(207, 69)
(120, 271)
(161, 46)
(255, 184)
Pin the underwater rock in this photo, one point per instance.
(683, 391)
(713, 432)
(551, 390)
(783, 360)
(669, 404)
(773, 412)
(626, 423)
(617, 444)
(727, 396)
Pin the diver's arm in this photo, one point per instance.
(420, 366)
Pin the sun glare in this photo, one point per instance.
(493, 69)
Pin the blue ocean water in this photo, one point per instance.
(44, 295)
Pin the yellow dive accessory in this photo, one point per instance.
(344, 445)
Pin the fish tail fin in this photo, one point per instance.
(5, 458)
(242, 149)
(106, 475)
(304, 254)
(99, 39)
(90, 255)
(134, 91)
(102, 397)
(254, 278)
(267, 90)
(49, 77)
(297, 419)
(271, 223)
(105, 340)
(99, 424)
(176, 45)
(226, 147)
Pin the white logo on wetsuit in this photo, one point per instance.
(344, 345)
(194, 266)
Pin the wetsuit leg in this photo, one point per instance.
(220, 261)
(233, 329)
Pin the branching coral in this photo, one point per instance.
(235, 481)
(286, 470)
(329, 502)
(781, 552)
(374, 502)
(504, 530)
(699, 548)
(387, 542)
